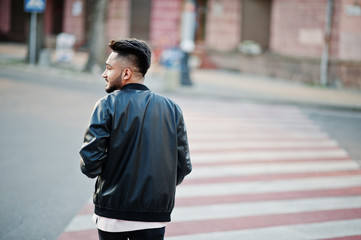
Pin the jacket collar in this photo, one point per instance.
(135, 86)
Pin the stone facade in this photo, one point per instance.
(165, 22)
(118, 19)
(297, 27)
(350, 31)
(223, 25)
(74, 23)
(293, 46)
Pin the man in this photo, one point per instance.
(136, 145)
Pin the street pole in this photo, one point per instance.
(33, 27)
(326, 46)
(187, 45)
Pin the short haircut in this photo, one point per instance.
(135, 50)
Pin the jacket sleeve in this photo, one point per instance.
(184, 166)
(94, 149)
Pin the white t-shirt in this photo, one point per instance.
(116, 225)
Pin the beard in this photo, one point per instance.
(115, 84)
(109, 89)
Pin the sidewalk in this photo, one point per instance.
(217, 83)
(238, 85)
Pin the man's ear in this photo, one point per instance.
(127, 74)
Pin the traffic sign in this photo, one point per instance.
(36, 6)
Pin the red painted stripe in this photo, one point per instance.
(257, 197)
(253, 222)
(355, 237)
(285, 161)
(278, 149)
(80, 235)
(280, 138)
(89, 208)
(269, 177)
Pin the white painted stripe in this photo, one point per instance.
(304, 184)
(245, 106)
(256, 135)
(250, 116)
(240, 156)
(223, 211)
(249, 127)
(239, 109)
(321, 230)
(273, 168)
(239, 124)
(247, 121)
(224, 145)
(219, 211)
(247, 118)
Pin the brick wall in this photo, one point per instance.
(350, 30)
(165, 22)
(48, 18)
(118, 25)
(74, 24)
(297, 27)
(346, 74)
(341, 73)
(223, 24)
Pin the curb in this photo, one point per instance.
(201, 89)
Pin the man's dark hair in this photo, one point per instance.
(135, 50)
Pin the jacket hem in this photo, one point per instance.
(133, 215)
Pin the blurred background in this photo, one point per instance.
(270, 91)
(283, 39)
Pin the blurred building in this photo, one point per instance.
(289, 33)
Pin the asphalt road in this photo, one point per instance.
(42, 122)
(343, 126)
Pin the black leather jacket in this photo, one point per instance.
(136, 144)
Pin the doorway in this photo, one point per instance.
(256, 18)
(57, 17)
(18, 21)
(201, 14)
(140, 19)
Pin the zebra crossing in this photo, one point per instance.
(259, 172)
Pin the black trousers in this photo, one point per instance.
(146, 234)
